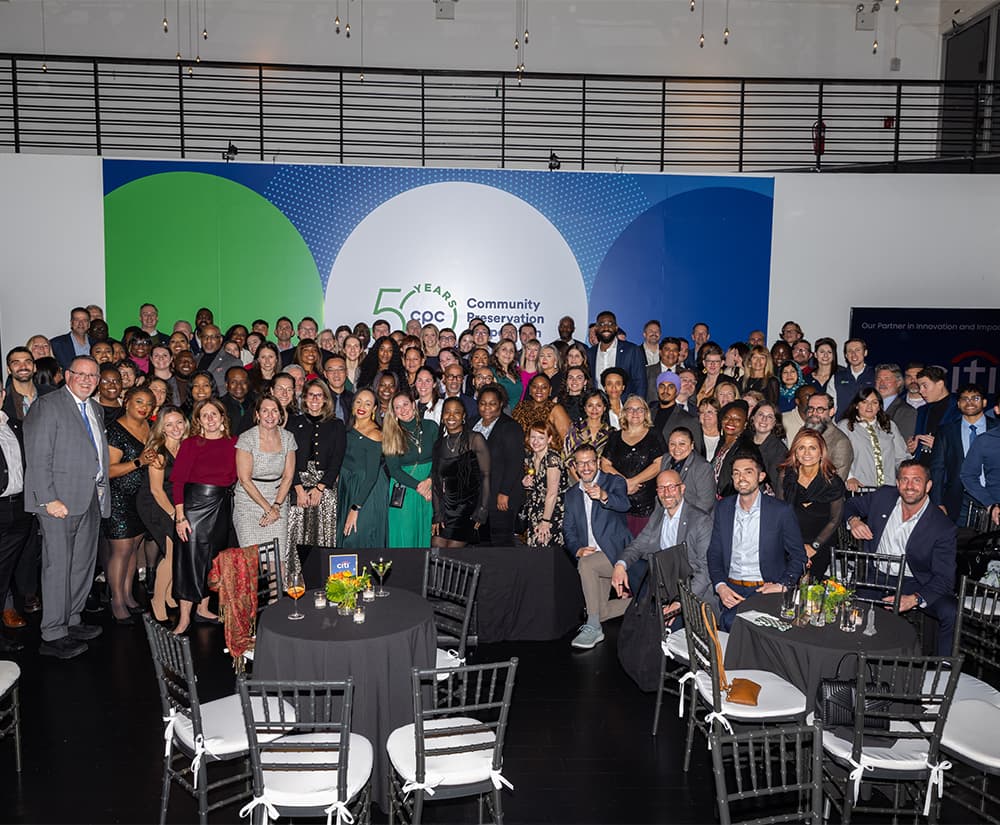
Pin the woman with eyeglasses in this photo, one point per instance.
(635, 453)
(769, 436)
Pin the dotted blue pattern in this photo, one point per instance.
(326, 203)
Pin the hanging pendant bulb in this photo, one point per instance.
(347, 30)
(336, 23)
(526, 31)
(178, 55)
(701, 41)
(517, 44)
(204, 34)
(875, 46)
(197, 58)
(45, 66)
(725, 37)
(362, 76)
(896, 6)
(190, 71)
(166, 25)
(692, 5)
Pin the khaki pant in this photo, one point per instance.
(595, 578)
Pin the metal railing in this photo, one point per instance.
(296, 113)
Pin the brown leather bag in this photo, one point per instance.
(738, 691)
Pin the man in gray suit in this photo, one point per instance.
(213, 357)
(66, 483)
(673, 521)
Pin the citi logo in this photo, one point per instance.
(975, 366)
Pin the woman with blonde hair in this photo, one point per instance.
(760, 374)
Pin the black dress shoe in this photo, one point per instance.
(64, 648)
(10, 646)
(128, 620)
(32, 604)
(138, 610)
(85, 631)
(93, 603)
(199, 619)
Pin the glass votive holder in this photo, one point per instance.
(319, 599)
(368, 595)
(359, 615)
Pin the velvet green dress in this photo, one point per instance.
(363, 481)
(410, 525)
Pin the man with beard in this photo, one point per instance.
(889, 383)
(610, 352)
(819, 417)
(214, 358)
(668, 361)
(22, 391)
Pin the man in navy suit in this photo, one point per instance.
(951, 445)
(902, 521)
(610, 352)
(595, 531)
(74, 343)
(756, 543)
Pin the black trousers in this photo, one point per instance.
(16, 528)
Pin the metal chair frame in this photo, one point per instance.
(451, 586)
(921, 689)
(776, 766)
(482, 692)
(270, 574)
(177, 683)
(319, 708)
(857, 568)
(671, 670)
(10, 718)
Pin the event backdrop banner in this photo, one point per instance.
(351, 243)
(963, 341)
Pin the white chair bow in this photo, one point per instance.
(270, 812)
(936, 778)
(427, 786)
(721, 717)
(858, 768)
(498, 779)
(680, 699)
(344, 815)
(199, 753)
(168, 732)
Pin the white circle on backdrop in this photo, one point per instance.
(447, 252)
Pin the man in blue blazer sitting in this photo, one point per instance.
(901, 520)
(596, 532)
(756, 543)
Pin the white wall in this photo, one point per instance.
(798, 38)
(838, 241)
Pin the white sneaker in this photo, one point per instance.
(588, 637)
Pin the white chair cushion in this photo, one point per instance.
(778, 697)
(971, 733)
(447, 769)
(223, 726)
(969, 687)
(9, 674)
(315, 788)
(903, 755)
(675, 645)
(988, 606)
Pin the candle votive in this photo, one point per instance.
(359, 615)
(319, 599)
(368, 595)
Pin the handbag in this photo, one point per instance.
(639, 639)
(835, 701)
(739, 691)
(398, 496)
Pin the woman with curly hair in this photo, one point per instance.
(538, 405)
(545, 481)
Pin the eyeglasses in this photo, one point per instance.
(579, 463)
(667, 488)
(975, 399)
(211, 337)
(764, 417)
(814, 408)
(634, 410)
(84, 376)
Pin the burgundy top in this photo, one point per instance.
(204, 461)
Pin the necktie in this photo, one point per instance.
(972, 433)
(86, 423)
(877, 455)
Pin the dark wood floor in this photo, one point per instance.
(579, 748)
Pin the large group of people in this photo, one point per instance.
(145, 456)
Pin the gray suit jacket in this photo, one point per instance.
(903, 415)
(699, 481)
(841, 450)
(695, 529)
(62, 461)
(220, 366)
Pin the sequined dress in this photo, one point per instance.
(124, 521)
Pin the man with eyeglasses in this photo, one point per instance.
(213, 357)
(673, 521)
(453, 381)
(66, 483)
(610, 352)
(595, 530)
(335, 373)
(951, 446)
(819, 418)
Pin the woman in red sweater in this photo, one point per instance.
(204, 472)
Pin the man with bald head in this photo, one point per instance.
(673, 521)
(213, 357)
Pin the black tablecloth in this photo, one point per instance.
(398, 635)
(805, 655)
(525, 593)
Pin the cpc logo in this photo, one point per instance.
(427, 303)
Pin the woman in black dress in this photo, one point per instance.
(128, 458)
(769, 436)
(575, 386)
(155, 506)
(109, 392)
(460, 474)
(809, 482)
(635, 453)
(384, 356)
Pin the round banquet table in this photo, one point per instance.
(397, 635)
(805, 655)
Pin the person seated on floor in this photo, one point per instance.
(901, 521)
(595, 529)
(673, 521)
(756, 544)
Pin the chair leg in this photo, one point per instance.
(16, 706)
(165, 792)
(690, 731)
(479, 805)
(418, 807)
(498, 806)
(202, 794)
(390, 797)
(659, 696)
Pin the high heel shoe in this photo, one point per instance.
(130, 620)
(199, 619)
(136, 610)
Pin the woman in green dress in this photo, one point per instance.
(364, 486)
(407, 444)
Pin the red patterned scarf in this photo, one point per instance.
(234, 575)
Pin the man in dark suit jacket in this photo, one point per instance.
(335, 373)
(756, 543)
(238, 400)
(66, 483)
(685, 523)
(668, 415)
(505, 440)
(213, 357)
(595, 530)
(610, 352)
(76, 342)
(950, 448)
(901, 520)
(15, 524)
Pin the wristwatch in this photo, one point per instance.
(137, 463)
(356, 508)
(815, 545)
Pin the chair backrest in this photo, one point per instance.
(977, 627)
(479, 692)
(174, 674)
(701, 648)
(317, 713)
(914, 693)
(450, 586)
(270, 574)
(861, 491)
(780, 768)
(881, 573)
